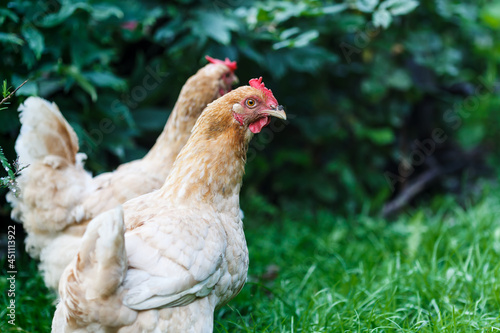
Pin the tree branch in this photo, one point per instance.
(12, 93)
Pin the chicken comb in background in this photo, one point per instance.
(258, 84)
(230, 64)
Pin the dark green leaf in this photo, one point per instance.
(67, 9)
(5, 13)
(105, 80)
(34, 39)
(8, 38)
(101, 12)
(85, 84)
(215, 26)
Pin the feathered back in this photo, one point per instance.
(44, 132)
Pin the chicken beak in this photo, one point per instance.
(278, 112)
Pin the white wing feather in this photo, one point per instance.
(171, 263)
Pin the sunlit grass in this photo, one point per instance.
(434, 270)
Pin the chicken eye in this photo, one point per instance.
(250, 103)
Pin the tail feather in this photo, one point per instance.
(90, 285)
(102, 260)
(44, 132)
(54, 182)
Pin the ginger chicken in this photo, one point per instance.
(166, 260)
(58, 197)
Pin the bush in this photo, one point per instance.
(13, 170)
(360, 79)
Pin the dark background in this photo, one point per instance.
(389, 103)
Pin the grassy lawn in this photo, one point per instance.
(433, 270)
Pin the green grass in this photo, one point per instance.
(434, 270)
(437, 270)
(34, 303)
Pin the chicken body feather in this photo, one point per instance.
(58, 197)
(185, 248)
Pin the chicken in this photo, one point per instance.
(183, 253)
(58, 197)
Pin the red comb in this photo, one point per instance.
(230, 64)
(258, 84)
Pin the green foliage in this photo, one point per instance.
(12, 170)
(352, 74)
(8, 181)
(433, 270)
(361, 80)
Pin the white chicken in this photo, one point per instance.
(183, 253)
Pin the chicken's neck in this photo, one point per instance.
(171, 140)
(209, 170)
(198, 91)
(174, 136)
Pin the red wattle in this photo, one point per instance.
(257, 126)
